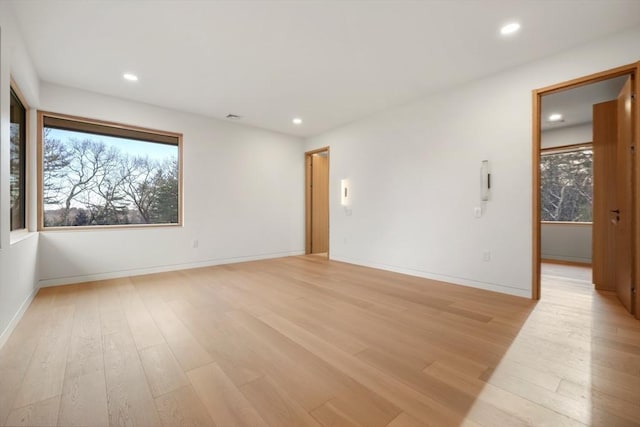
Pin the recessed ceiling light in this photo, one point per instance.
(555, 117)
(297, 121)
(130, 77)
(510, 28)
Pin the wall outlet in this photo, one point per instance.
(195, 244)
(486, 256)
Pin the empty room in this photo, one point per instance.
(319, 213)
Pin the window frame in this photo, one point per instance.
(561, 149)
(18, 233)
(120, 127)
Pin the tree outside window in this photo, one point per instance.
(17, 163)
(102, 179)
(567, 185)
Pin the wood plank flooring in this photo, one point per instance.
(303, 341)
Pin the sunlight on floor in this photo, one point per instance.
(564, 366)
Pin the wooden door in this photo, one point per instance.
(622, 215)
(320, 202)
(605, 136)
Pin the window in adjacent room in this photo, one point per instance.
(104, 174)
(17, 163)
(566, 177)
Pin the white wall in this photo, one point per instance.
(18, 253)
(566, 242)
(414, 174)
(578, 134)
(243, 197)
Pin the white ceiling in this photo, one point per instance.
(329, 62)
(576, 105)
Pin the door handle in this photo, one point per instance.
(617, 212)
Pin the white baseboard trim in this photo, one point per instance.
(4, 337)
(495, 287)
(161, 269)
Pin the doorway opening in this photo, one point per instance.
(585, 178)
(317, 201)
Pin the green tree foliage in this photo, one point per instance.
(567, 186)
(164, 208)
(87, 182)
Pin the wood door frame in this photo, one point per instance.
(631, 70)
(307, 196)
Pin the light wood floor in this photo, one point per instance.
(303, 341)
(581, 275)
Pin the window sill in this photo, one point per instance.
(20, 235)
(109, 227)
(566, 223)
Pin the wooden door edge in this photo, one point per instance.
(635, 202)
(307, 203)
(307, 198)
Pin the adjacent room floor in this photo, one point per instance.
(304, 341)
(559, 275)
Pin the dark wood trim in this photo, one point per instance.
(42, 115)
(536, 226)
(591, 78)
(566, 223)
(317, 150)
(563, 262)
(635, 202)
(13, 86)
(567, 148)
(307, 196)
(101, 127)
(16, 89)
(39, 174)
